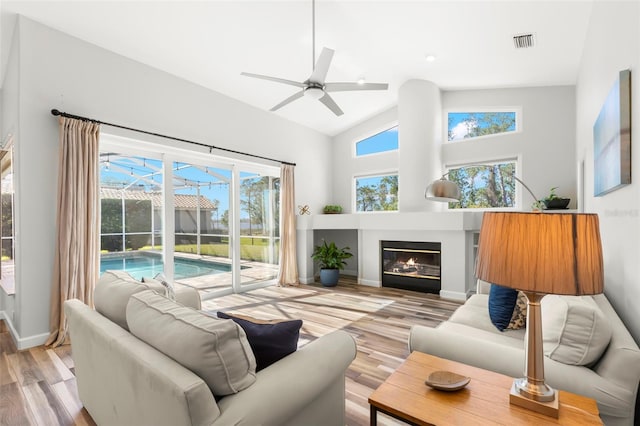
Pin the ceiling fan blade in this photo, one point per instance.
(331, 104)
(321, 69)
(290, 99)
(344, 87)
(276, 79)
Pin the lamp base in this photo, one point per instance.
(549, 408)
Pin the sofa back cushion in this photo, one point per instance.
(575, 331)
(113, 290)
(216, 350)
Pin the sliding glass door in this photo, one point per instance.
(131, 214)
(259, 229)
(200, 220)
(201, 196)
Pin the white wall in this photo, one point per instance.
(60, 71)
(545, 143)
(613, 44)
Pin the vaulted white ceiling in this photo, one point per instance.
(211, 42)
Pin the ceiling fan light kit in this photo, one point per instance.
(315, 87)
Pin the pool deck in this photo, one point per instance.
(250, 272)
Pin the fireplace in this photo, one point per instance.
(411, 265)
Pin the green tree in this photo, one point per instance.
(254, 201)
(388, 192)
(367, 198)
(224, 219)
(484, 186)
(489, 123)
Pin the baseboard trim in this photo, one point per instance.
(306, 280)
(370, 283)
(454, 295)
(23, 342)
(31, 341)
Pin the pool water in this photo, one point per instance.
(149, 266)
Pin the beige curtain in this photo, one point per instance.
(288, 273)
(77, 255)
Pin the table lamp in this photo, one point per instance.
(538, 254)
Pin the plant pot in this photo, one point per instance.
(557, 203)
(329, 277)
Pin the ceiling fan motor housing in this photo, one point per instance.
(314, 90)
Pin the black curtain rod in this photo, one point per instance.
(211, 147)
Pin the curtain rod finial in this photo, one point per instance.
(55, 112)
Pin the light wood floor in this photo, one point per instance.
(37, 386)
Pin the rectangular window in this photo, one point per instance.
(380, 142)
(376, 193)
(485, 186)
(467, 125)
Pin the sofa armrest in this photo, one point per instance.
(296, 384)
(189, 297)
(123, 381)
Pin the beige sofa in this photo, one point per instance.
(125, 381)
(470, 337)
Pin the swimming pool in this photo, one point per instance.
(140, 265)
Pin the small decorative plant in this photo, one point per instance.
(332, 209)
(329, 256)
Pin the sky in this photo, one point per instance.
(384, 141)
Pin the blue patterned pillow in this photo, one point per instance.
(502, 301)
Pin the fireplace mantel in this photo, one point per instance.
(416, 221)
(453, 229)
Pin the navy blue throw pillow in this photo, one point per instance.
(269, 340)
(502, 301)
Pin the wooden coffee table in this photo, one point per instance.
(485, 400)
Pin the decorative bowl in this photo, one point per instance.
(557, 203)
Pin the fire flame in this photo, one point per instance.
(411, 262)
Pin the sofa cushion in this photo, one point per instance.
(216, 350)
(575, 331)
(270, 340)
(502, 301)
(112, 292)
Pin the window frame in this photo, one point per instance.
(381, 174)
(519, 189)
(478, 110)
(378, 130)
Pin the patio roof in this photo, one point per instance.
(182, 201)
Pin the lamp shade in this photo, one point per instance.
(442, 190)
(548, 253)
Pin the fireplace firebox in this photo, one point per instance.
(411, 265)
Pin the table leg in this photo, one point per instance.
(373, 415)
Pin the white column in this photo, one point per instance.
(420, 139)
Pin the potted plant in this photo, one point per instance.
(331, 260)
(332, 209)
(554, 202)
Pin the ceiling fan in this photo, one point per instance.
(315, 86)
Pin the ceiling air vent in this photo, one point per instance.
(523, 41)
